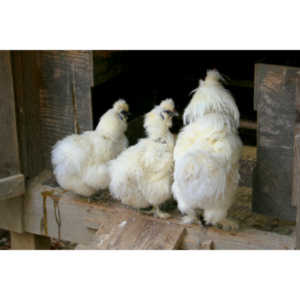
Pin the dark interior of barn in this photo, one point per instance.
(144, 78)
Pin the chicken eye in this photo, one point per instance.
(169, 112)
(124, 114)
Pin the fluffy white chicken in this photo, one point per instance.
(80, 161)
(207, 153)
(141, 176)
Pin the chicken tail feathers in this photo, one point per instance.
(198, 174)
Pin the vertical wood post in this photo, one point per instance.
(11, 203)
(28, 241)
(275, 100)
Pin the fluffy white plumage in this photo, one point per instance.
(207, 154)
(142, 175)
(80, 161)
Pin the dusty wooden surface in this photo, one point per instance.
(53, 212)
(275, 94)
(11, 210)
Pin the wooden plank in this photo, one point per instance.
(9, 154)
(72, 218)
(65, 95)
(296, 184)
(272, 183)
(133, 232)
(11, 187)
(296, 167)
(296, 160)
(248, 124)
(11, 214)
(275, 100)
(28, 241)
(53, 100)
(275, 94)
(26, 73)
(11, 210)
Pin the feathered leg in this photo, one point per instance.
(219, 217)
(156, 212)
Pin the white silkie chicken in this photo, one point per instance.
(141, 176)
(207, 153)
(80, 161)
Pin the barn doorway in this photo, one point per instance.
(144, 78)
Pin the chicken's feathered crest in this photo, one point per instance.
(156, 122)
(168, 104)
(111, 125)
(211, 97)
(120, 105)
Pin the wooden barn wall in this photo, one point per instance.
(9, 157)
(275, 102)
(65, 96)
(53, 94)
(11, 181)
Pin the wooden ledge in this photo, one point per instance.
(55, 213)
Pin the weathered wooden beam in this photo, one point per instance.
(26, 74)
(274, 95)
(53, 95)
(296, 161)
(55, 213)
(248, 124)
(11, 187)
(28, 241)
(65, 96)
(9, 151)
(11, 210)
(296, 185)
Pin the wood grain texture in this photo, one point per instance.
(53, 100)
(296, 160)
(9, 153)
(65, 95)
(276, 112)
(27, 84)
(296, 167)
(136, 232)
(79, 221)
(11, 210)
(272, 183)
(275, 94)
(12, 186)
